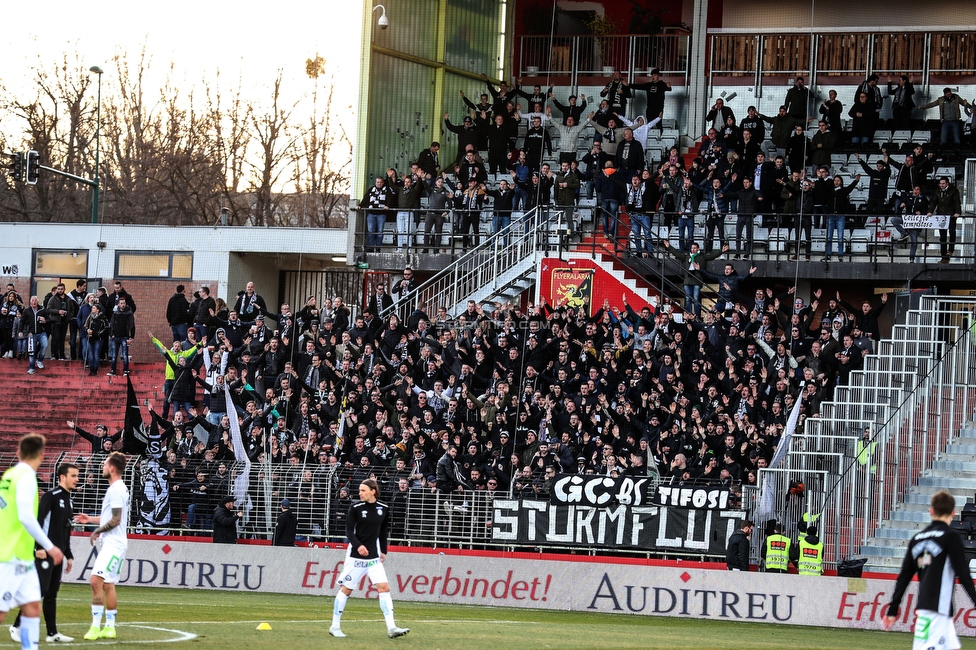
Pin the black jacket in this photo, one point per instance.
(54, 514)
(737, 554)
(285, 527)
(178, 310)
(225, 525)
(123, 324)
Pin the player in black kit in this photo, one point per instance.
(936, 554)
(367, 527)
(54, 513)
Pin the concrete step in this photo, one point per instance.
(887, 535)
(910, 516)
(957, 469)
(917, 497)
(968, 459)
(947, 483)
(883, 564)
(883, 551)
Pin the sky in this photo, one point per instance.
(250, 41)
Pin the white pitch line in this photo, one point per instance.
(180, 636)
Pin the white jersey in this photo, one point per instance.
(117, 496)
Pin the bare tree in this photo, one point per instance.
(274, 143)
(179, 154)
(322, 181)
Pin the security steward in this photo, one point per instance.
(809, 555)
(777, 551)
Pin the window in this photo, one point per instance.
(154, 264)
(58, 263)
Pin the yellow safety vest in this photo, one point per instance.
(777, 552)
(15, 542)
(865, 454)
(811, 558)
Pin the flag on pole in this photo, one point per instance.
(767, 491)
(243, 480)
(342, 422)
(134, 437)
(783, 447)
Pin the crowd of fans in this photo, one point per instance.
(97, 326)
(760, 166)
(451, 409)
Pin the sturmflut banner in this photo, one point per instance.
(576, 584)
(528, 523)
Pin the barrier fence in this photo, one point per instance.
(912, 397)
(519, 516)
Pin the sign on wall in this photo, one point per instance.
(570, 584)
(584, 281)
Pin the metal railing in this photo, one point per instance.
(868, 238)
(844, 52)
(913, 396)
(589, 55)
(499, 258)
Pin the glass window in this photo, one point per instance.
(73, 264)
(155, 264)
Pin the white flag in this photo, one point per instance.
(243, 479)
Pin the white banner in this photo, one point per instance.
(922, 221)
(558, 583)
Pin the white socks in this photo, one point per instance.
(340, 604)
(30, 632)
(97, 611)
(110, 617)
(386, 606)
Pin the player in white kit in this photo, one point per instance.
(112, 524)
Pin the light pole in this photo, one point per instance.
(98, 132)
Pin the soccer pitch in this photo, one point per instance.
(220, 619)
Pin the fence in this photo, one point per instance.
(164, 502)
(758, 54)
(590, 55)
(912, 397)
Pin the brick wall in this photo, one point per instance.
(151, 297)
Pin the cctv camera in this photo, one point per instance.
(383, 22)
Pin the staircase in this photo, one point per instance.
(505, 264)
(917, 396)
(41, 403)
(955, 471)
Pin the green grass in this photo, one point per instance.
(228, 620)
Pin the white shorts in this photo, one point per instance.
(19, 585)
(355, 568)
(108, 562)
(934, 631)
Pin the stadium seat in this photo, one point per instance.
(969, 513)
(922, 136)
(946, 171)
(838, 159)
(778, 237)
(901, 137)
(882, 135)
(858, 241)
(819, 237)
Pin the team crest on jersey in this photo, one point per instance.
(364, 514)
(379, 510)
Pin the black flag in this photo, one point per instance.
(134, 436)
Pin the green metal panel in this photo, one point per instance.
(473, 35)
(412, 30)
(400, 113)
